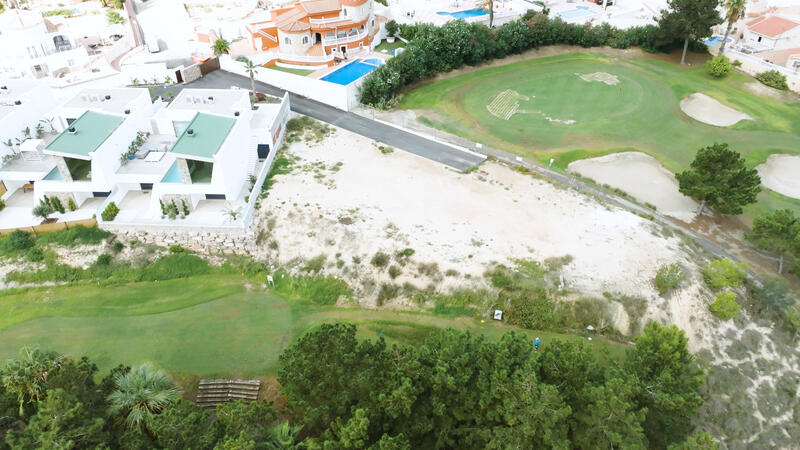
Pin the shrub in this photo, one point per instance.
(315, 264)
(533, 311)
(387, 291)
(774, 294)
(391, 28)
(176, 265)
(110, 212)
(774, 79)
(103, 260)
(56, 204)
(175, 248)
(380, 259)
(719, 66)
(724, 273)
(71, 237)
(71, 205)
(35, 254)
(318, 289)
(43, 210)
(16, 241)
(668, 277)
(725, 306)
(394, 271)
(2, 204)
(117, 246)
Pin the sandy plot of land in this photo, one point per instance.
(641, 176)
(462, 222)
(705, 109)
(781, 173)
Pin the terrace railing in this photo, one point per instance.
(345, 39)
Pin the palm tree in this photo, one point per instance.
(221, 46)
(488, 5)
(283, 436)
(49, 122)
(27, 376)
(140, 394)
(251, 70)
(734, 10)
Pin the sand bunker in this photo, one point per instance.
(781, 173)
(705, 109)
(601, 77)
(643, 177)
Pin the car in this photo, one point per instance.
(600, 2)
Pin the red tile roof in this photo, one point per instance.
(773, 26)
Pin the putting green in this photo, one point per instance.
(557, 113)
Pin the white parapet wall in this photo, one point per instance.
(336, 95)
(753, 65)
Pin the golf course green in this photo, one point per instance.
(580, 105)
(212, 325)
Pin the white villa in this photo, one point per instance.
(29, 49)
(23, 103)
(769, 33)
(196, 163)
(204, 153)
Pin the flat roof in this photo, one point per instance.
(16, 90)
(95, 98)
(91, 130)
(208, 134)
(222, 101)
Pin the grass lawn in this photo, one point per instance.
(207, 325)
(384, 45)
(300, 72)
(641, 112)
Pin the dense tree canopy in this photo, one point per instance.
(452, 390)
(777, 232)
(719, 178)
(689, 20)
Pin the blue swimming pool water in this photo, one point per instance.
(579, 11)
(714, 40)
(465, 13)
(173, 175)
(353, 71)
(54, 175)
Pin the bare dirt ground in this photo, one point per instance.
(761, 89)
(346, 199)
(643, 177)
(705, 109)
(781, 173)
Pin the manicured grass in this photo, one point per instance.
(384, 45)
(641, 112)
(210, 325)
(300, 72)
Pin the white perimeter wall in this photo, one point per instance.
(336, 95)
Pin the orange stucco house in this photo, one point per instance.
(314, 32)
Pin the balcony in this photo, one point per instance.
(344, 39)
(327, 21)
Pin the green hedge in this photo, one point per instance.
(432, 50)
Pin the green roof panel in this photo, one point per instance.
(208, 133)
(91, 130)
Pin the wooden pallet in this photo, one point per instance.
(213, 392)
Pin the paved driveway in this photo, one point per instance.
(389, 135)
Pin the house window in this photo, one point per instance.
(305, 39)
(344, 12)
(287, 41)
(373, 23)
(362, 27)
(759, 39)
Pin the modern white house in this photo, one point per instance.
(769, 33)
(97, 127)
(208, 151)
(28, 49)
(23, 105)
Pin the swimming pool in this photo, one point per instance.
(579, 11)
(54, 175)
(465, 13)
(716, 40)
(173, 175)
(353, 71)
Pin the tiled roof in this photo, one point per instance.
(321, 6)
(773, 26)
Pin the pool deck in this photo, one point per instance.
(364, 54)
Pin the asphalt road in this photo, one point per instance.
(389, 135)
